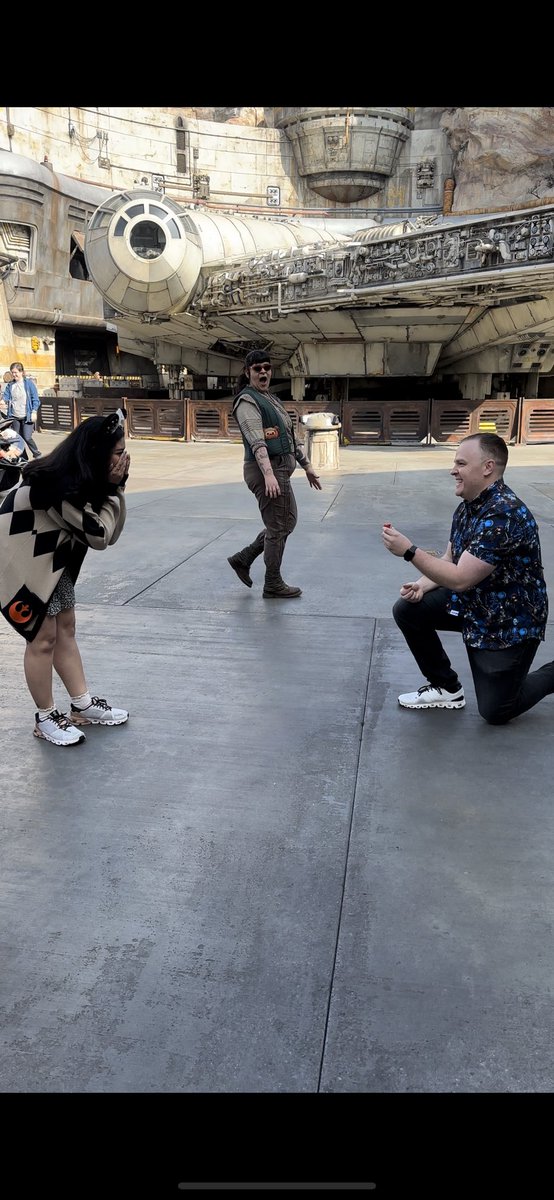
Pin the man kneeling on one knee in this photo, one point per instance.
(489, 586)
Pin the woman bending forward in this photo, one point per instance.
(68, 501)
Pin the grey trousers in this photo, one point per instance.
(279, 515)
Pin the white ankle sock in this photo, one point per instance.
(43, 713)
(82, 701)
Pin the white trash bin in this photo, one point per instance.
(321, 444)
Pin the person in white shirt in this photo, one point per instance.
(22, 403)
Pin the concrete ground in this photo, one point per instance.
(273, 879)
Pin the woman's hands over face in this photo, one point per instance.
(119, 466)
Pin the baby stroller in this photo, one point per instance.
(13, 454)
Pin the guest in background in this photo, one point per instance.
(22, 404)
(6, 378)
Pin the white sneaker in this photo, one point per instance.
(432, 697)
(57, 728)
(99, 712)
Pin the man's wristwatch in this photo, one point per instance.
(409, 553)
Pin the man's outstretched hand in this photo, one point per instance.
(395, 541)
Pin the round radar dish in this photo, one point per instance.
(140, 255)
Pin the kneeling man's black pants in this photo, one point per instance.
(503, 685)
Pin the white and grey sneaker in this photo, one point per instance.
(57, 728)
(432, 697)
(99, 712)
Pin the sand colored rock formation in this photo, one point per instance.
(503, 157)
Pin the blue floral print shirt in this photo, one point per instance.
(511, 604)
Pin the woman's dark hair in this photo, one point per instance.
(253, 356)
(78, 467)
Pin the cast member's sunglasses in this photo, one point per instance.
(261, 366)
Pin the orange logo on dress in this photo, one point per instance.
(20, 613)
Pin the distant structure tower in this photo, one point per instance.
(345, 154)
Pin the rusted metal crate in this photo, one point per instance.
(212, 420)
(56, 414)
(385, 422)
(453, 420)
(536, 421)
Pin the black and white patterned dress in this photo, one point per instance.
(42, 551)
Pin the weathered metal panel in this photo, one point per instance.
(335, 360)
(453, 420)
(536, 421)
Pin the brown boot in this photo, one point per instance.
(235, 561)
(277, 589)
(242, 561)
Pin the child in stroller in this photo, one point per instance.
(12, 456)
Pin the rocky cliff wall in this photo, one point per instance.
(502, 157)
